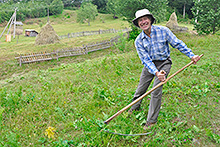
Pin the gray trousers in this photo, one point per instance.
(156, 95)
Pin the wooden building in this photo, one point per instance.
(31, 33)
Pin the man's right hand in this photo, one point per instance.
(161, 75)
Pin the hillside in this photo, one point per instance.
(65, 102)
(62, 24)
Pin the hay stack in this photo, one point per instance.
(18, 30)
(172, 24)
(47, 35)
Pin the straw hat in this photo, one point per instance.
(141, 13)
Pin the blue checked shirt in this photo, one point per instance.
(157, 47)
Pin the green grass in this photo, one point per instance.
(75, 95)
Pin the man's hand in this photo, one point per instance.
(161, 75)
(195, 59)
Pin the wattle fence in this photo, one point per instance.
(85, 49)
(89, 33)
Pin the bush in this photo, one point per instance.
(134, 33)
(56, 7)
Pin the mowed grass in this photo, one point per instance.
(69, 100)
(62, 24)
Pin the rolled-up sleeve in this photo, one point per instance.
(178, 44)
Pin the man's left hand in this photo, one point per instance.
(195, 59)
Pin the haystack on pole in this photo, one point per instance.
(172, 24)
(14, 23)
(47, 35)
(18, 30)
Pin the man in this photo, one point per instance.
(152, 46)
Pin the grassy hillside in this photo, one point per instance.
(64, 103)
(62, 24)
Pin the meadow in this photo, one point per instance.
(65, 102)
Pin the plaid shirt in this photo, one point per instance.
(157, 47)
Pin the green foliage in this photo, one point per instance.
(101, 5)
(207, 14)
(122, 43)
(134, 32)
(56, 7)
(112, 7)
(31, 9)
(87, 13)
(127, 8)
(178, 7)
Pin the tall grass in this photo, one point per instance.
(65, 102)
(76, 98)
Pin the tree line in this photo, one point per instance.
(29, 9)
(205, 14)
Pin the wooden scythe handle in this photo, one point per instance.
(141, 97)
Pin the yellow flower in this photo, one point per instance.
(50, 132)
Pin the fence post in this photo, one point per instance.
(57, 55)
(20, 57)
(86, 49)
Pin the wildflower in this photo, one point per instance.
(50, 132)
(184, 139)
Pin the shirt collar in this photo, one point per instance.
(143, 35)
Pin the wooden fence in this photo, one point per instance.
(85, 49)
(88, 33)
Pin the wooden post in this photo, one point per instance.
(57, 55)
(7, 25)
(47, 13)
(86, 49)
(14, 23)
(20, 58)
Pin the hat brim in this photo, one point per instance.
(135, 21)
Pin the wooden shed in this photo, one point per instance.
(31, 33)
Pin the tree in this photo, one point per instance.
(182, 6)
(56, 7)
(77, 3)
(101, 4)
(87, 13)
(207, 13)
(127, 8)
(112, 7)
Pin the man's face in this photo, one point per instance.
(144, 23)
